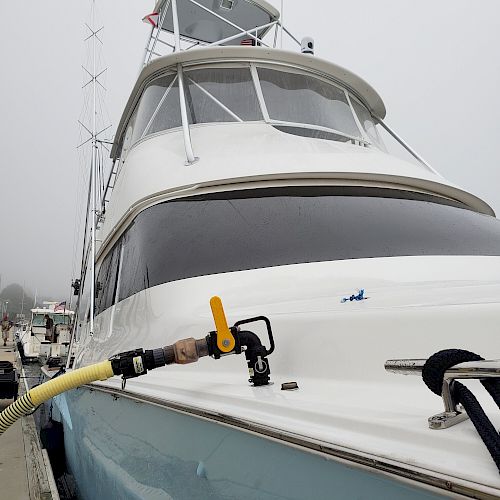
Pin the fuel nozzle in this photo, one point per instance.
(221, 342)
(233, 340)
(255, 353)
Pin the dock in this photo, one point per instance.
(25, 470)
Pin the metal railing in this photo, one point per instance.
(176, 39)
(453, 412)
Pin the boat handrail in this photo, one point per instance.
(453, 414)
(166, 21)
(441, 373)
(467, 370)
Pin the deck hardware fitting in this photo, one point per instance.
(453, 412)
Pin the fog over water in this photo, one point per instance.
(435, 64)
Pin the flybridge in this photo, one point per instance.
(178, 26)
(199, 69)
(185, 24)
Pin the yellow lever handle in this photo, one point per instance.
(225, 339)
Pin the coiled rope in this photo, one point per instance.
(433, 375)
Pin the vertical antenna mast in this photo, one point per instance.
(93, 126)
(93, 173)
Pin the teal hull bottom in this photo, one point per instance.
(121, 448)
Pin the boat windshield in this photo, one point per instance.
(297, 98)
(254, 229)
(292, 100)
(39, 319)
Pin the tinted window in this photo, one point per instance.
(83, 304)
(313, 133)
(106, 280)
(272, 227)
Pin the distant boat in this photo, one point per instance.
(32, 334)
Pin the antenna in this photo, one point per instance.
(92, 126)
(93, 172)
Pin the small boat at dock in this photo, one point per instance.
(36, 342)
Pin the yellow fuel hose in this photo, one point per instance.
(54, 387)
(137, 362)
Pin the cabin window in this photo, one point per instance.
(250, 229)
(38, 319)
(313, 133)
(84, 298)
(368, 124)
(129, 136)
(106, 280)
(212, 95)
(167, 114)
(159, 108)
(221, 95)
(292, 100)
(303, 99)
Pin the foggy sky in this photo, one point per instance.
(436, 64)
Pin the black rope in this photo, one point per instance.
(481, 422)
(433, 374)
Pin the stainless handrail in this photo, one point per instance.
(453, 412)
(467, 370)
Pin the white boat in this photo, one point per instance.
(33, 337)
(259, 175)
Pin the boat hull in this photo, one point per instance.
(118, 447)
